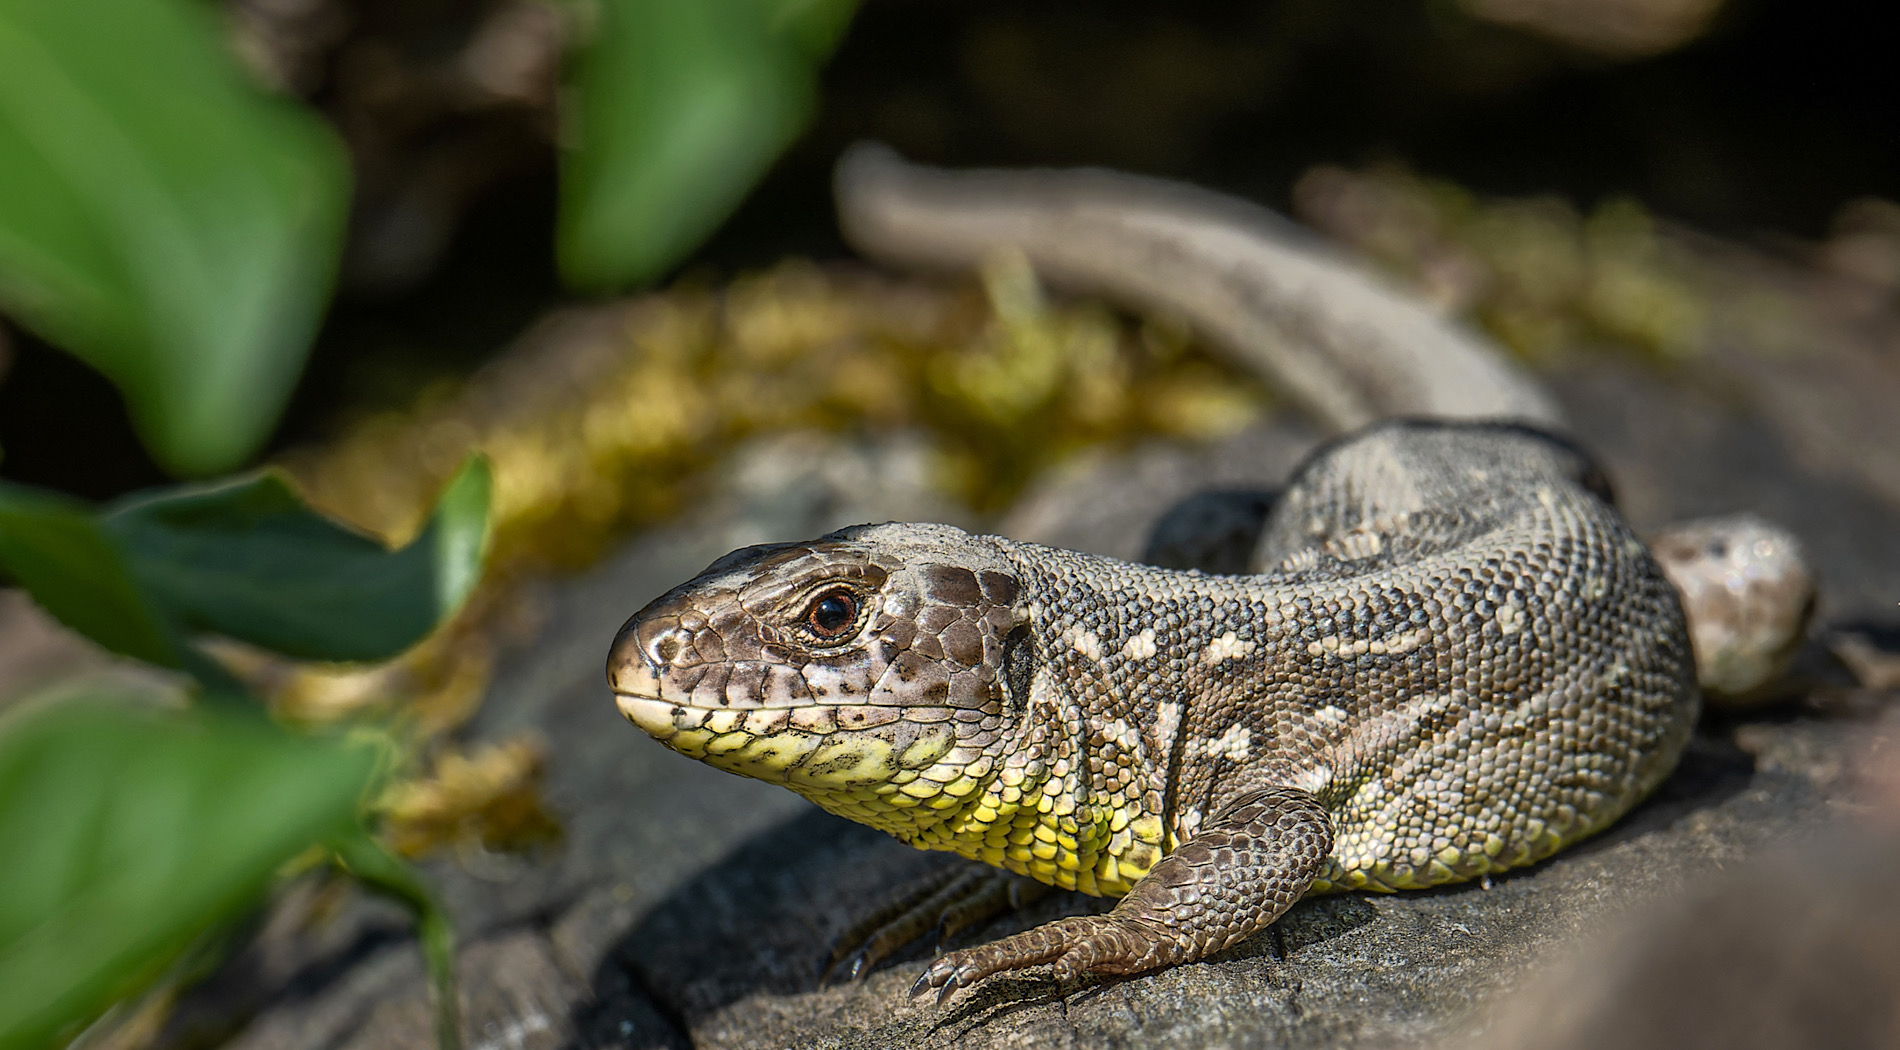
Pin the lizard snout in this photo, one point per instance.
(631, 668)
(657, 642)
(645, 652)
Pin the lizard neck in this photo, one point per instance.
(1084, 790)
(1083, 787)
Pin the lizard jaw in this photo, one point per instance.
(649, 713)
(638, 693)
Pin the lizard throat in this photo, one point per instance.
(910, 779)
(896, 768)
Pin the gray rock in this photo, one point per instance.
(1794, 948)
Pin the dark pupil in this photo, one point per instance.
(833, 613)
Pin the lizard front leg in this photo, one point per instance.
(1241, 871)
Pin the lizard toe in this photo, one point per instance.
(1114, 946)
(961, 969)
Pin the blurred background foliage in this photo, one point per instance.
(677, 109)
(198, 197)
(145, 829)
(166, 220)
(163, 220)
(136, 824)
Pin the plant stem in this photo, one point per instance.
(390, 875)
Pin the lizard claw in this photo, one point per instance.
(921, 986)
(947, 976)
(1076, 946)
(850, 968)
(949, 989)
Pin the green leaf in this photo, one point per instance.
(54, 547)
(162, 218)
(128, 833)
(678, 109)
(815, 26)
(249, 560)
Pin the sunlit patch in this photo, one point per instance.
(1234, 745)
(1228, 646)
(1086, 642)
(1510, 619)
(1141, 646)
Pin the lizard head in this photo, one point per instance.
(847, 668)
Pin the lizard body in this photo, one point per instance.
(1460, 661)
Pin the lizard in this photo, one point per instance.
(1448, 655)
(1461, 661)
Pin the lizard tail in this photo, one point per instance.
(1345, 345)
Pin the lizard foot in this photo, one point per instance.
(1081, 944)
(1266, 843)
(950, 900)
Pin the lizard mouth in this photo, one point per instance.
(640, 695)
(633, 678)
(649, 713)
(637, 692)
(810, 745)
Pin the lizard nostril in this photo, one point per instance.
(664, 640)
(665, 649)
(658, 639)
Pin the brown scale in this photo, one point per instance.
(1463, 662)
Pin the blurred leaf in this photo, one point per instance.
(162, 218)
(815, 26)
(678, 109)
(54, 547)
(127, 833)
(249, 560)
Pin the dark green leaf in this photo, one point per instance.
(162, 218)
(127, 833)
(249, 560)
(815, 26)
(54, 548)
(678, 109)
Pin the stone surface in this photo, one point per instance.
(690, 907)
(1757, 958)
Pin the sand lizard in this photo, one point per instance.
(1460, 661)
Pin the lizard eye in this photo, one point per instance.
(832, 614)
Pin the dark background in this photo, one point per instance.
(1759, 131)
